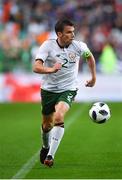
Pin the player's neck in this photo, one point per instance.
(61, 44)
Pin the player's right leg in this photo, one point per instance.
(47, 124)
(57, 132)
(48, 108)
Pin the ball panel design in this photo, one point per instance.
(102, 121)
(102, 104)
(94, 115)
(103, 112)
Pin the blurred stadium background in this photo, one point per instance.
(94, 151)
(24, 25)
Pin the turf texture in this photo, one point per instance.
(87, 151)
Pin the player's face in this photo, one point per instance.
(67, 35)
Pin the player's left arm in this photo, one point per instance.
(92, 67)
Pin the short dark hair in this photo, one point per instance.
(59, 26)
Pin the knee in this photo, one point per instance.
(58, 117)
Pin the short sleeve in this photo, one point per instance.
(85, 51)
(43, 51)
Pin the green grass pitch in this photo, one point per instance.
(88, 150)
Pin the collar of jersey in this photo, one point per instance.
(62, 47)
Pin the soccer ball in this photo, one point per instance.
(100, 112)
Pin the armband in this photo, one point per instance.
(86, 55)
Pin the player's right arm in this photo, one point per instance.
(41, 57)
(39, 67)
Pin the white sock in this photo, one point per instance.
(46, 138)
(56, 136)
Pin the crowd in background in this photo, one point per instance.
(25, 24)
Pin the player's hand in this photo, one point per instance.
(90, 83)
(56, 67)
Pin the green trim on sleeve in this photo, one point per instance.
(86, 55)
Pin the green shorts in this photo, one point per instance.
(50, 99)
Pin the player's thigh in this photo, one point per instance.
(62, 107)
(48, 101)
(64, 102)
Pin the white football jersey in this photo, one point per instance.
(65, 79)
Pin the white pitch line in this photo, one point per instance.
(26, 168)
(74, 117)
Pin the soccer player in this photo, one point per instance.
(58, 61)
